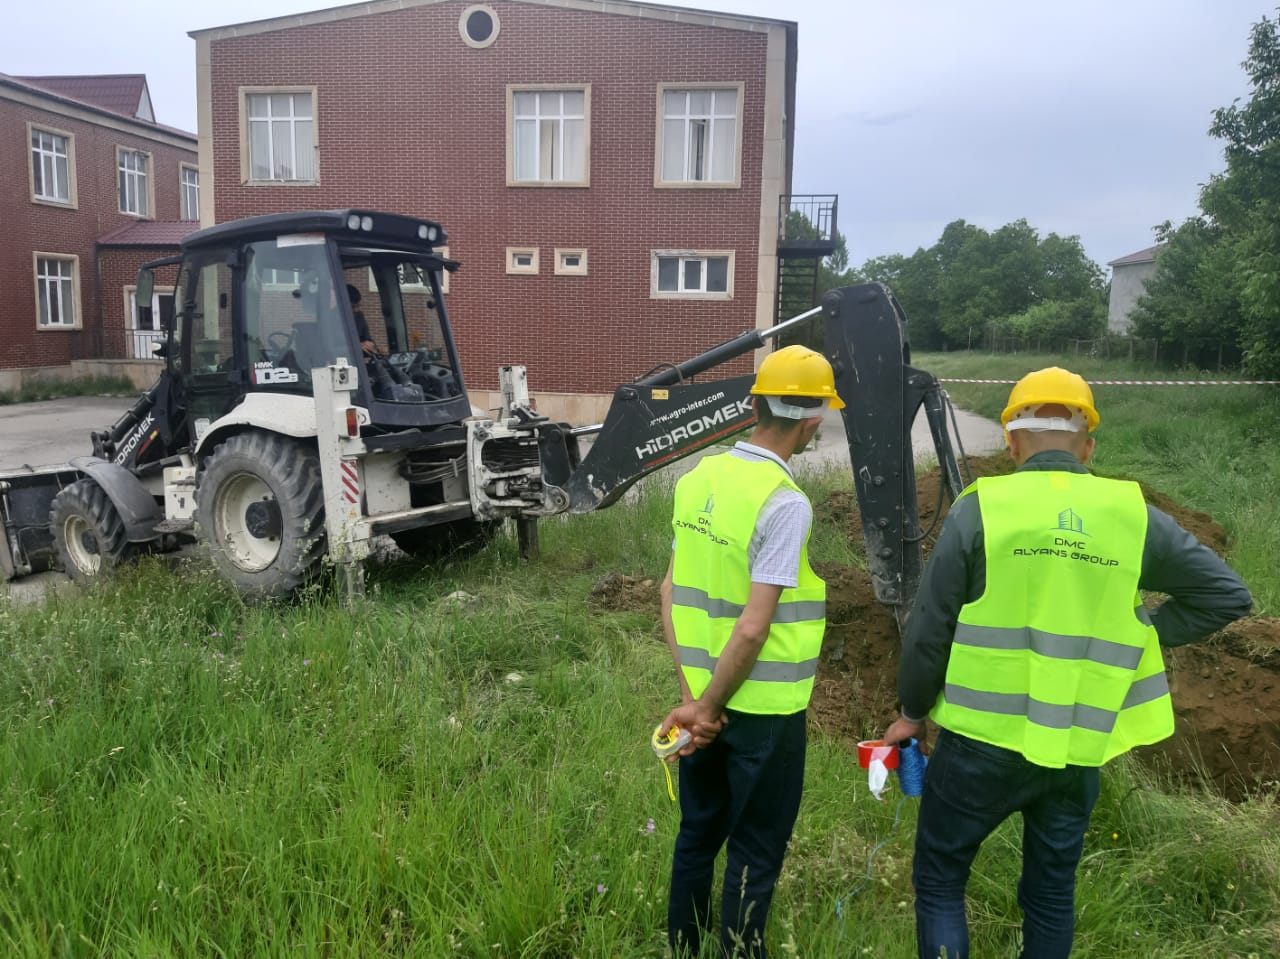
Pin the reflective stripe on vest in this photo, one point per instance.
(714, 516)
(787, 612)
(1054, 716)
(1058, 659)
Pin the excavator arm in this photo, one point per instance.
(663, 417)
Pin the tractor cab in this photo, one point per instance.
(262, 302)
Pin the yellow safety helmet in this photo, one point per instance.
(1051, 386)
(797, 371)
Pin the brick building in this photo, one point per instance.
(610, 174)
(94, 188)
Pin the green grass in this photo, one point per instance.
(183, 775)
(56, 389)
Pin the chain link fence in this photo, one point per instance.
(1117, 346)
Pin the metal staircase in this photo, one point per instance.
(806, 234)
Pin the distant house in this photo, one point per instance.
(614, 176)
(1129, 276)
(97, 188)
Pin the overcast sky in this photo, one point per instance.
(1086, 117)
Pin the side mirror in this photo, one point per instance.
(146, 287)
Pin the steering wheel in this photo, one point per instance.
(279, 343)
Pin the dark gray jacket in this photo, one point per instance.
(1204, 594)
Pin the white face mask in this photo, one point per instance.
(1026, 419)
(779, 406)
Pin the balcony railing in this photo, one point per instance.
(141, 343)
(806, 225)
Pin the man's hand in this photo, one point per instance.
(370, 348)
(903, 729)
(702, 722)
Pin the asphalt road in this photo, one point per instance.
(51, 432)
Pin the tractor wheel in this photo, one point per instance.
(260, 508)
(462, 537)
(88, 534)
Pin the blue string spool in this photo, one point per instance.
(911, 763)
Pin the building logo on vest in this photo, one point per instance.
(1067, 543)
(1071, 521)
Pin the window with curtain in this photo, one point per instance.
(50, 166)
(549, 136)
(134, 173)
(56, 291)
(699, 139)
(189, 181)
(692, 274)
(281, 135)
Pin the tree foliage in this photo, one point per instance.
(1217, 281)
(1009, 281)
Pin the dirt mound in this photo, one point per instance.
(1226, 691)
(622, 593)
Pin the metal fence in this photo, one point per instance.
(1116, 346)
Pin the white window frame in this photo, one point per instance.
(537, 118)
(515, 252)
(466, 15)
(185, 210)
(416, 288)
(135, 338)
(686, 184)
(42, 293)
(246, 127)
(564, 253)
(684, 256)
(137, 182)
(270, 278)
(443, 252)
(71, 201)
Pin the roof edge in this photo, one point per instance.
(1141, 256)
(626, 8)
(7, 80)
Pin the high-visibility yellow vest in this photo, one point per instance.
(716, 507)
(1058, 659)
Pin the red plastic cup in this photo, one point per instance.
(870, 749)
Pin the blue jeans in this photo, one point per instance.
(969, 789)
(744, 788)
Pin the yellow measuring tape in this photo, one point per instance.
(663, 746)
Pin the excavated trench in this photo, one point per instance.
(1226, 690)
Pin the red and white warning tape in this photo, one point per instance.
(1139, 382)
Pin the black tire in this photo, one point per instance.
(260, 509)
(462, 537)
(88, 534)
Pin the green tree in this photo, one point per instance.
(1217, 282)
(1245, 201)
(1192, 303)
(972, 281)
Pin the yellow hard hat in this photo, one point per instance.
(1052, 385)
(797, 371)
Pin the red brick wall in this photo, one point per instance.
(29, 226)
(412, 120)
(118, 268)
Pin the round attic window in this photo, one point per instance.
(478, 25)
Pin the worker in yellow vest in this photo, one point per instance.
(744, 615)
(1030, 646)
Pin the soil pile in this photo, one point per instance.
(1226, 691)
